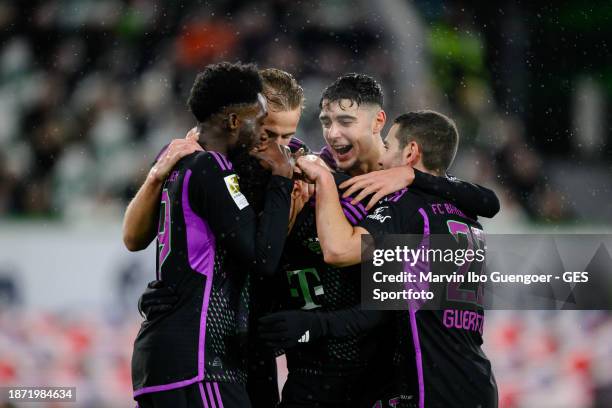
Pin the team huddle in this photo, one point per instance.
(259, 253)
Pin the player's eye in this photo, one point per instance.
(271, 134)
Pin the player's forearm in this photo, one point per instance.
(272, 225)
(141, 216)
(340, 244)
(472, 198)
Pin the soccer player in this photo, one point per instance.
(335, 371)
(352, 118)
(331, 364)
(285, 104)
(209, 240)
(437, 363)
(341, 369)
(285, 99)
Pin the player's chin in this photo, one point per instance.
(346, 164)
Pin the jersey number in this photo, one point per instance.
(163, 230)
(475, 240)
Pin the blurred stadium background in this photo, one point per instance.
(91, 89)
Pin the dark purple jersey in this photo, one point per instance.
(314, 285)
(209, 241)
(439, 360)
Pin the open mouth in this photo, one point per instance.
(342, 149)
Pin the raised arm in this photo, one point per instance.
(141, 216)
(252, 239)
(272, 225)
(471, 198)
(340, 241)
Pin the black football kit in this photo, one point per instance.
(438, 360)
(350, 364)
(209, 240)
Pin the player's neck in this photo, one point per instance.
(364, 167)
(419, 166)
(212, 139)
(371, 162)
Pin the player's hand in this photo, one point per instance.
(157, 298)
(300, 195)
(290, 328)
(380, 183)
(193, 134)
(274, 157)
(177, 149)
(301, 189)
(312, 167)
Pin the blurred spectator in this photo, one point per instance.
(90, 91)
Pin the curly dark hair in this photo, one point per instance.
(222, 85)
(359, 88)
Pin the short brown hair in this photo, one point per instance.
(434, 132)
(281, 90)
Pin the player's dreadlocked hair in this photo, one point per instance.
(222, 85)
(358, 88)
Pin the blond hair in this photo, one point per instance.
(281, 90)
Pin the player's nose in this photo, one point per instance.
(333, 134)
(334, 131)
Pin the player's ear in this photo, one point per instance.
(412, 153)
(379, 121)
(233, 121)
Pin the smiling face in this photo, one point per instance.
(393, 155)
(349, 130)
